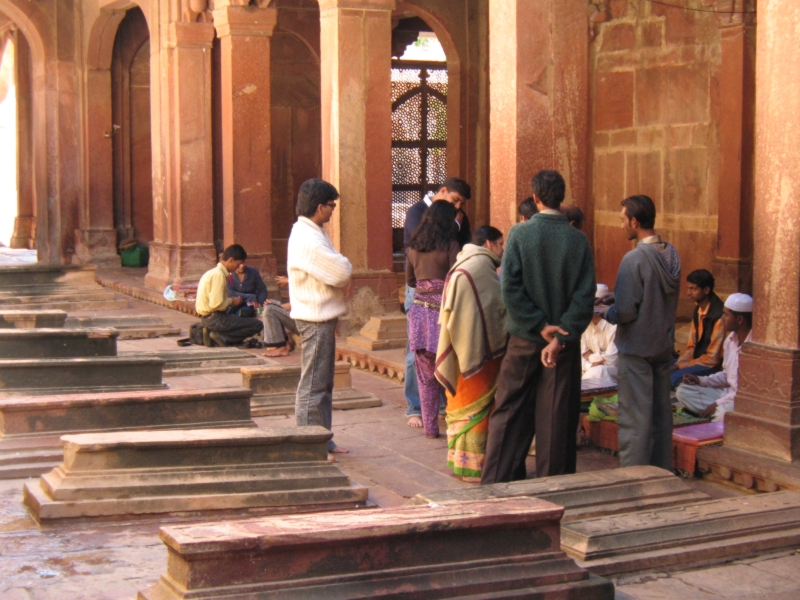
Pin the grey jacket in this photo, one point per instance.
(646, 293)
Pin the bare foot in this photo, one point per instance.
(471, 479)
(337, 450)
(275, 352)
(415, 422)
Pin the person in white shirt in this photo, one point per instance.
(317, 274)
(713, 396)
(598, 350)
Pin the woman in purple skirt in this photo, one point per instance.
(432, 250)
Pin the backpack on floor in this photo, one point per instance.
(195, 335)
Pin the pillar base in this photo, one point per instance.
(766, 420)
(24, 235)
(747, 471)
(368, 293)
(178, 263)
(96, 247)
(732, 275)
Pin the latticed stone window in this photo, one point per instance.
(419, 132)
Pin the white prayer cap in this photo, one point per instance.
(739, 303)
(602, 291)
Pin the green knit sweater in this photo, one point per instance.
(548, 278)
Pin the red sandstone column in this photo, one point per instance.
(183, 229)
(539, 99)
(767, 417)
(244, 33)
(24, 235)
(355, 40)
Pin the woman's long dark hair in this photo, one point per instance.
(437, 229)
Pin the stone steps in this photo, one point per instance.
(68, 305)
(497, 549)
(27, 319)
(129, 328)
(155, 472)
(196, 360)
(57, 343)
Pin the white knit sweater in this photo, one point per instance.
(317, 272)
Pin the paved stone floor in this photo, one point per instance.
(111, 560)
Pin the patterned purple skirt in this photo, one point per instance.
(423, 322)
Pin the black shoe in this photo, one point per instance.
(217, 339)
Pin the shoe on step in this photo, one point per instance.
(217, 338)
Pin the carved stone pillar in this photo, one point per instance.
(24, 235)
(355, 39)
(539, 99)
(245, 36)
(766, 421)
(183, 247)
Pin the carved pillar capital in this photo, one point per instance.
(245, 21)
(190, 35)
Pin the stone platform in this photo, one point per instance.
(32, 319)
(57, 343)
(72, 375)
(160, 472)
(584, 495)
(31, 427)
(389, 363)
(382, 332)
(275, 387)
(129, 328)
(696, 534)
(494, 549)
(198, 360)
(746, 470)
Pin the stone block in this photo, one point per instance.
(198, 360)
(275, 387)
(70, 375)
(583, 495)
(694, 534)
(382, 332)
(129, 327)
(497, 549)
(668, 95)
(618, 36)
(31, 426)
(614, 100)
(156, 472)
(31, 319)
(57, 343)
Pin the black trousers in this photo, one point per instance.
(233, 329)
(532, 399)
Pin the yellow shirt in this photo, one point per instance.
(212, 294)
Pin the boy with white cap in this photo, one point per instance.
(714, 395)
(598, 350)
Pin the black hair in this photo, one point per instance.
(458, 185)
(747, 316)
(234, 251)
(486, 233)
(549, 186)
(642, 209)
(437, 229)
(574, 215)
(312, 193)
(527, 208)
(702, 278)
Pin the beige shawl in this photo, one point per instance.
(472, 318)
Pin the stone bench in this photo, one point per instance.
(57, 343)
(156, 472)
(275, 388)
(584, 495)
(31, 319)
(70, 375)
(499, 549)
(31, 427)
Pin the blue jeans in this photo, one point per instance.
(676, 377)
(410, 384)
(314, 402)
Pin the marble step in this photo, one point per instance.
(156, 472)
(129, 327)
(74, 375)
(197, 360)
(584, 495)
(498, 549)
(32, 319)
(274, 389)
(31, 427)
(696, 534)
(57, 343)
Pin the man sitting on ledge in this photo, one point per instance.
(713, 396)
(212, 303)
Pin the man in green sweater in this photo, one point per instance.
(548, 288)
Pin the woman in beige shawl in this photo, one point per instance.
(472, 342)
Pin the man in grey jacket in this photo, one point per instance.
(646, 293)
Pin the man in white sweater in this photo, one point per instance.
(317, 274)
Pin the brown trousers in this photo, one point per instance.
(532, 399)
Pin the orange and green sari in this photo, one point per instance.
(468, 419)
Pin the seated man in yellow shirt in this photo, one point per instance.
(212, 303)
